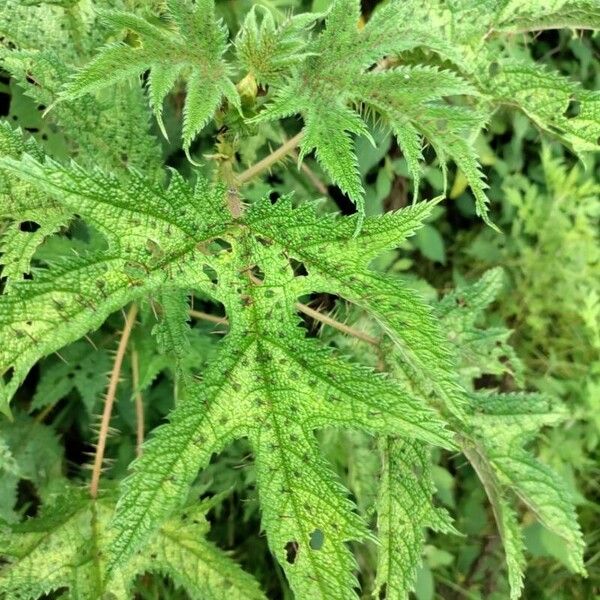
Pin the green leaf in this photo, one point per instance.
(339, 264)
(274, 386)
(504, 424)
(172, 330)
(518, 16)
(31, 452)
(504, 515)
(269, 383)
(153, 234)
(66, 548)
(267, 51)
(111, 133)
(326, 86)
(481, 351)
(431, 244)
(554, 103)
(404, 508)
(31, 215)
(193, 45)
(82, 366)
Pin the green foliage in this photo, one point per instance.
(22, 205)
(409, 97)
(553, 282)
(303, 411)
(555, 224)
(405, 508)
(29, 452)
(65, 549)
(193, 47)
(267, 51)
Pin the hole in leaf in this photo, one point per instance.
(4, 104)
(210, 273)
(29, 226)
(207, 312)
(222, 245)
(257, 274)
(7, 375)
(28, 500)
(382, 592)
(573, 109)
(317, 539)
(263, 241)
(291, 551)
(487, 381)
(274, 196)
(321, 302)
(298, 267)
(31, 79)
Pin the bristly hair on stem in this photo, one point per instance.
(109, 399)
(84, 239)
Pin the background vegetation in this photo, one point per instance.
(548, 208)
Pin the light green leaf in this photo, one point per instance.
(194, 45)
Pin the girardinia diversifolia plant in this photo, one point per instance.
(112, 230)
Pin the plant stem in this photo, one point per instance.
(268, 161)
(307, 310)
(327, 320)
(41, 416)
(198, 314)
(139, 402)
(110, 399)
(236, 209)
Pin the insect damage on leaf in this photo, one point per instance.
(83, 239)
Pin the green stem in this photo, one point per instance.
(268, 161)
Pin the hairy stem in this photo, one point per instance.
(198, 314)
(268, 161)
(110, 399)
(327, 320)
(139, 403)
(307, 310)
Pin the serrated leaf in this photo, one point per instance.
(518, 16)
(267, 51)
(404, 508)
(66, 548)
(194, 45)
(336, 76)
(480, 350)
(153, 234)
(82, 367)
(32, 215)
(31, 452)
(554, 103)
(268, 383)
